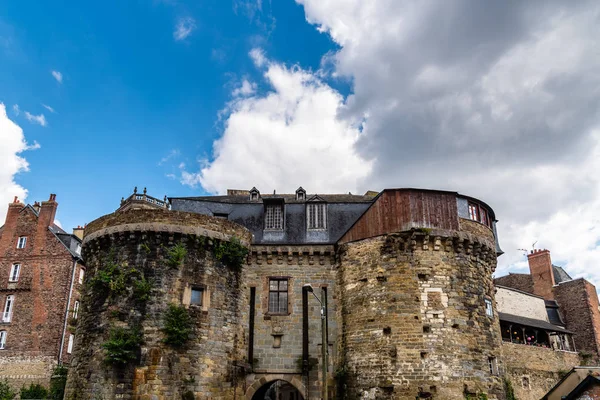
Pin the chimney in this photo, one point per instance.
(48, 211)
(37, 206)
(542, 275)
(78, 232)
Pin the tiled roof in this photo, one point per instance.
(560, 275)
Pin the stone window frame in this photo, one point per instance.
(493, 365)
(266, 290)
(70, 344)
(15, 272)
(3, 335)
(21, 242)
(186, 298)
(489, 308)
(9, 305)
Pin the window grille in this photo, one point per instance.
(278, 296)
(316, 215)
(274, 216)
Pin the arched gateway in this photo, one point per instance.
(276, 387)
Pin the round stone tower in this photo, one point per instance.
(417, 300)
(160, 315)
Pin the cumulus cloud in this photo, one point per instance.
(36, 119)
(57, 75)
(258, 56)
(288, 137)
(498, 101)
(13, 144)
(184, 28)
(246, 88)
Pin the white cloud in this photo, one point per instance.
(289, 137)
(13, 144)
(57, 75)
(500, 104)
(16, 109)
(36, 119)
(48, 108)
(258, 56)
(172, 154)
(247, 88)
(184, 28)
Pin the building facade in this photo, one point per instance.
(399, 284)
(41, 274)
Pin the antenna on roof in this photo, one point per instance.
(525, 251)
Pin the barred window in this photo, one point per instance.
(278, 295)
(316, 215)
(274, 216)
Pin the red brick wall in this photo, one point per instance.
(579, 307)
(540, 267)
(40, 295)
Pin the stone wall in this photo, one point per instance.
(523, 304)
(278, 338)
(533, 371)
(413, 317)
(23, 370)
(579, 306)
(521, 282)
(210, 365)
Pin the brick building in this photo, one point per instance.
(41, 271)
(572, 303)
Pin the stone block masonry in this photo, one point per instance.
(413, 317)
(139, 243)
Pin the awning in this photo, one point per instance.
(533, 323)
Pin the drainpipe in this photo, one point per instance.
(64, 332)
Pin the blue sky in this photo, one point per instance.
(131, 93)
(494, 100)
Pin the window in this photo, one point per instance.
(14, 273)
(70, 345)
(21, 242)
(493, 365)
(525, 383)
(474, 211)
(75, 309)
(479, 214)
(489, 310)
(78, 249)
(81, 274)
(196, 298)
(8, 308)
(278, 295)
(221, 215)
(316, 215)
(274, 216)
(2, 339)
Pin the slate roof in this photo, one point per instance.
(534, 323)
(288, 198)
(560, 275)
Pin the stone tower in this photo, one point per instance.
(161, 311)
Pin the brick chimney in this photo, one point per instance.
(10, 225)
(47, 212)
(540, 267)
(78, 232)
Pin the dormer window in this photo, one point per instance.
(316, 213)
(254, 194)
(300, 194)
(274, 216)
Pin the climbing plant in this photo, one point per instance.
(122, 345)
(175, 255)
(231, 253)
(178, 325)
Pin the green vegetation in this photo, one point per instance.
(188, 395)
(6, 393)
(231, 253)
(176, 255)
(478, 396)
(58, 382)
(141, 288)
(177, 325)
(34, 391)
(508, 388)
(116, 279)
(122, 345)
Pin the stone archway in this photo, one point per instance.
(262, 380)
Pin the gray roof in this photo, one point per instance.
(68, 240)
(288, 198)
(534, 323)
(560, 275)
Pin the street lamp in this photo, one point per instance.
(324, 341)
